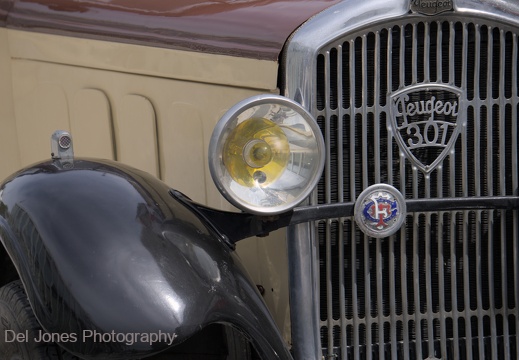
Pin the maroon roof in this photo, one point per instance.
(247, 28)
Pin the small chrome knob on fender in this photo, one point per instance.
(62, 149)
(61, 145)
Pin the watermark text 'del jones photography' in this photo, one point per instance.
(91, 336)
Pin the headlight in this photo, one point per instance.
(266, 154)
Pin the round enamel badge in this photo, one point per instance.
(380, 210)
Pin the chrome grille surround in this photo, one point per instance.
(388, 298)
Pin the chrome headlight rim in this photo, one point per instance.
(222, 130)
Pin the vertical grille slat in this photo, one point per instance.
(502, 186)
(515, 176)
(380, 269)
(445, 285)
(343, 261)
(416, 285)
(439, 56)
(392, 297)
(468, 284)
(367, 294)
(479, 304)
(442, 286)
(454, 299)
(429, 284)
(376, 108)
(362, 113)
(351, 107)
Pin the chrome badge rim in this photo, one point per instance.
(426, 119)
(380, 210)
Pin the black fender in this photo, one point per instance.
(103, 248)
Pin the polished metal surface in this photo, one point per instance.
(420, 121)
(62, 149)
(446, 285)
(304, 164)
(102, 247)
(380, 211)
(302, 259)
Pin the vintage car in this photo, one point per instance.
(259, 179)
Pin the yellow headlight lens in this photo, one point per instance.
(266, 154)
(256, 152)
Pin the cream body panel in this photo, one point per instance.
(9, 153)
(136, 114)
(266, 261)
(144, 60)
(93, 102)
(91, 119)
(151, 108)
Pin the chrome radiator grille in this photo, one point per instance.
(447, 284)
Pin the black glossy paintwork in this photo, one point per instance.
(105, 247)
